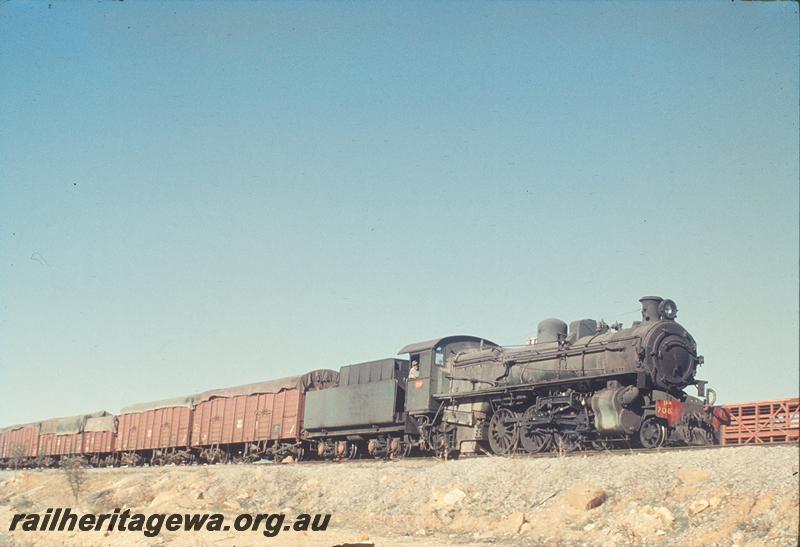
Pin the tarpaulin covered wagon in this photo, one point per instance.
(263, 419)
(21, 441)
(100, 439)
(64, 436)
(157, 432)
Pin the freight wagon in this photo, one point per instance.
(60, 437)
(21, 441)
(265, 419)
(156, 432)
(760, 422)
(99, 440)
(3, 441)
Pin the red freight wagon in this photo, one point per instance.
(21, 441)
(51, 444)
(760, 422)
(155, 429)
(254, 420)
(3, 441)
(100, 435)
(64, 436)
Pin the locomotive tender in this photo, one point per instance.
(589, 385)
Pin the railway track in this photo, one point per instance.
(551, 455)
(634, 451)
(435, 459)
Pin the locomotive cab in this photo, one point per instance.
(433, 356)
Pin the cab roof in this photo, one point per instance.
(418, 347)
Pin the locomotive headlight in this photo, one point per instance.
(667, 309)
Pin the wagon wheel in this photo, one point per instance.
(407, 447)
(533, 439)
(426, 435)
(396, 448)
(342, 450)
(445, 442)
(372, 447)
(567, 442)
(652, 433)
(503, 431)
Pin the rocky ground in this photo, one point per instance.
(744, 496)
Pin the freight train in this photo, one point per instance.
(578, 387)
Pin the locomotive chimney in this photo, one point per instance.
(650, 307)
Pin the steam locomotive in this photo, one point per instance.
(586, 386)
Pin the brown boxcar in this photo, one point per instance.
(100, 435)
(264, 411)
(64, 436)
(761, 422)
(155, 425)
(21, 441)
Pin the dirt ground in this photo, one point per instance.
(742, 496)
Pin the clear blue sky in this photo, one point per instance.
(209, 194)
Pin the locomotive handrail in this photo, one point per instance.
(521, 387)
(563, 353)
(569, 351)
(472, 380)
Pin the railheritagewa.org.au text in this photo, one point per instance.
(62, 519)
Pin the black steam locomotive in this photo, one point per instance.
(587, 386)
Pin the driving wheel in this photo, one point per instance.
(567, 442)
(532, 439)
(503, 431)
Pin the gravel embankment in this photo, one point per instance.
(745, 496)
